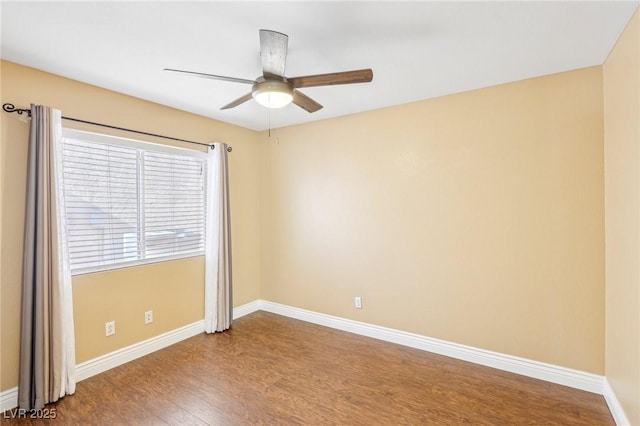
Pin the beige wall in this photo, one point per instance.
(622, 211)
(475, 218)
(174, 290)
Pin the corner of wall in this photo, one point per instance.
(621, 77)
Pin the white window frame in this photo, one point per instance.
(147, 146)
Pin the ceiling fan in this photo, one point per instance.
(273, 89)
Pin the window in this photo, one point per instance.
(130, 202)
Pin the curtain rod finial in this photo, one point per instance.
(8, 107)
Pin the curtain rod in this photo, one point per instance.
(11, 108)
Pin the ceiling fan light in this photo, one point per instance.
(273, 99)
(273, 94)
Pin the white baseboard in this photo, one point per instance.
(526, 367)
(113, 359)
(246, 309)
(614, 405)
(9, 398)
(121, 356)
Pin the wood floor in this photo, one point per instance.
(274, 370)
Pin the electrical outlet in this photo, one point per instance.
(358, 302)
(148, 317)
(110, 328)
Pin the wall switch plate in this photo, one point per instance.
(148, 317)
(110, 328)
(358, 302)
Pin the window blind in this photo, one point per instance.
(131, 204)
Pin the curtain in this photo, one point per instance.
(47, 344)
(218, 307)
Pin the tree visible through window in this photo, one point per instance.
(131, 202)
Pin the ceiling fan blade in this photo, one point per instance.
(238, 101)
(346, 77)
(212, 76)
(273, 52)
(305, 102)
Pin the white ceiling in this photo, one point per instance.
(417, 50)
